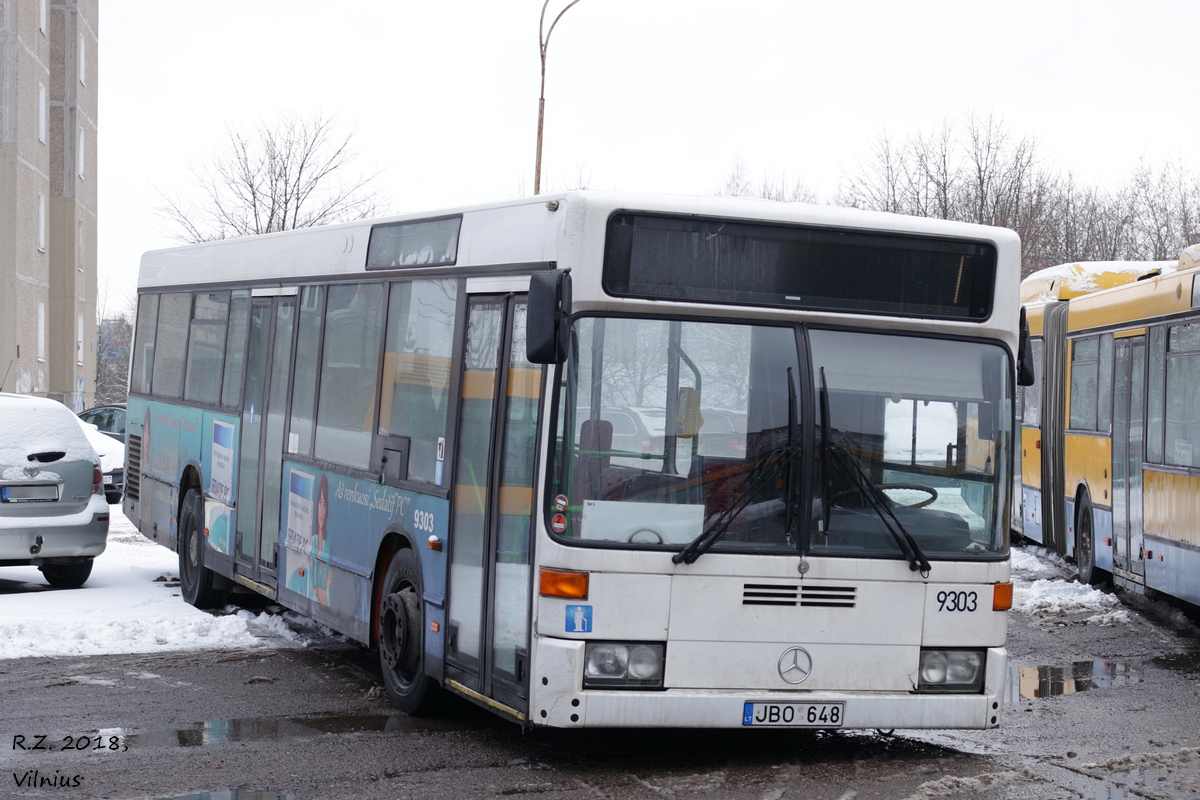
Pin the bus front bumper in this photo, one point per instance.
(723, 708)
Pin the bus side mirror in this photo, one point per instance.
(1025, 376)
(548, 324)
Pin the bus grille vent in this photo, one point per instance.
(133, 467)
(766, 594)
(827, 596)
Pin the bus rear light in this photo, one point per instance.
(563, 583)
(1002, 596)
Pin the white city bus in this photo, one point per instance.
(603, 459)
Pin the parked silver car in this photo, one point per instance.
(112, 460)
(53, 513)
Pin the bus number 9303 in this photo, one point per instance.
(423, 521)
(957, 601)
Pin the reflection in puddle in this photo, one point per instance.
(236, 794)
(1082, 676)
(258, 730)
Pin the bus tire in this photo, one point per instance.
(402, 640)
(1085, 546)
(197, 583)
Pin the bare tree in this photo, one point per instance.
(977, 171)
(294, 174)
(114, 340)
(782, 188)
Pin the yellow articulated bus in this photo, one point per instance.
(1110, 439)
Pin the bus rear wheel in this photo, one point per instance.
(197, 583)
(401, 638)
(1085, 545)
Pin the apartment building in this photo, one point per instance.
(48, 105)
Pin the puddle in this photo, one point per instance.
(267, 730)
(1031, 683)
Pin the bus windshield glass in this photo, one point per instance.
(672, 431)
(920, 426)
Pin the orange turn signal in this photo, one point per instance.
(1002, 596)
(563, 583)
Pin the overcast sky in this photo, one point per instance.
(643, 95)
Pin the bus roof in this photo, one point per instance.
(527, 231)
(1064, 281)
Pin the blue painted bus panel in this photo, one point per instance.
(327, 573)
(1173, 569)
(1031, 514)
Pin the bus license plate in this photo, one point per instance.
(796, 715)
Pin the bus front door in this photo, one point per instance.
(268, 366)
(487, 650)
(1128, 438)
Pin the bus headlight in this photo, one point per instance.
(951, 671)
(610, 665)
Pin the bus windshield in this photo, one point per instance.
(674, 430)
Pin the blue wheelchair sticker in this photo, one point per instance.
(579, 619)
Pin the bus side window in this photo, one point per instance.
(308, 350)
(143, 344)
(416, 370)
(349, 370)
(206, 348)
(174, 313)
(235, 348)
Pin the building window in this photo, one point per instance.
(42, 16)
(79, 340)
(82, 59)
(80, 148)
(41, 240)
(41, 112)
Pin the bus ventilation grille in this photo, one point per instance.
(807, 596)
(133, 467)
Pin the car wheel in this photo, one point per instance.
(67, 576)
(196, 581)
(401, 639)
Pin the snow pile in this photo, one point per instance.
(1068, 603)
(955, 786)
(1031, 563)
(130, 604)
(1065, 281)
(1188, 757)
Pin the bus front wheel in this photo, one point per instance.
(401, 637)
(197, 583)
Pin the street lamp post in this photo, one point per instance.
(543, 43)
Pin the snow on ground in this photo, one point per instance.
(1042, 589)
(130, 604)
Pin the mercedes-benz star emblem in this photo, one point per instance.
(795, 665)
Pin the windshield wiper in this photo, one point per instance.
(763, 474)
(882, 506)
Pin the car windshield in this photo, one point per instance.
(673, 432)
